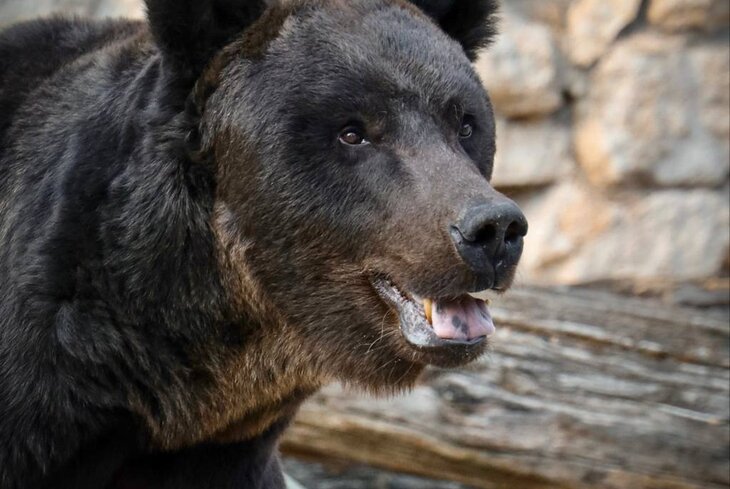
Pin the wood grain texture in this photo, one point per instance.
(580, 390)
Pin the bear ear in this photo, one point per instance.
(190, 32)
(471, 22)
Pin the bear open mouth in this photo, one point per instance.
(464, 321)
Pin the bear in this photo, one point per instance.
(208, 215)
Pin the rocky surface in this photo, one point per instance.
(637, 191)
(654, 115)
(521, 71)
(614, 134)
(591, 235)
(17, 10)
(593, 25)
(675, 15)
(550, 144)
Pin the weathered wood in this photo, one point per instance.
(581, 390)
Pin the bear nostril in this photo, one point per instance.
(485, 235)
(514, 233)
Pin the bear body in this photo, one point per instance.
(195, 223)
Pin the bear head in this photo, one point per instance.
(352, 145)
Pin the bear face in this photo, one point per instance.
(340, 188)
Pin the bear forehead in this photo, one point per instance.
(387, 39)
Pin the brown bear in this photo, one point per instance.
(207, 216)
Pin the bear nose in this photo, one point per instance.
(490, 235)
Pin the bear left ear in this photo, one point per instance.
(190, 32)
(471, 22)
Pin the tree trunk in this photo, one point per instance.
(580, 390)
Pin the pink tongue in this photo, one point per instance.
(466, 319)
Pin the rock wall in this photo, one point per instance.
(614, 134)
(615, 137)
(18, 10)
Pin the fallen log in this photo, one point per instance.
(580, 390)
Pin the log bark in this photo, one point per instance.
(580, 390)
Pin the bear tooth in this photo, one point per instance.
(428, 308)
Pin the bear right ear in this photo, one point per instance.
(471, 22)
(191, 32)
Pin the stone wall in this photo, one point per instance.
(615, 137)
(614, 134)
(17, 10)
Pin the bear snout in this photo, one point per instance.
(489, 239)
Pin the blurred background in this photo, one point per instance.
(611, 365)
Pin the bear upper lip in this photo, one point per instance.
(471, 326)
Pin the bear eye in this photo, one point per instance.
(353, 136)
(467, 127)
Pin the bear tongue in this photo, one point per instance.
(464, 319)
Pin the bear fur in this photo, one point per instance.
(185, 244)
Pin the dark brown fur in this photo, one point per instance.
(188, 246)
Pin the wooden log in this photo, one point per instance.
(580, 390)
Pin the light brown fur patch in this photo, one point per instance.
(260, 383)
